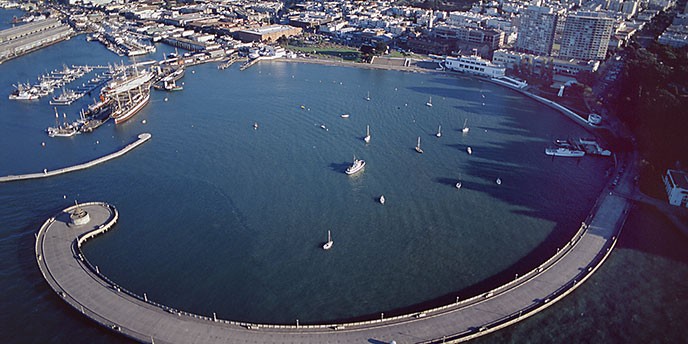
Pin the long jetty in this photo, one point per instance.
(90, 292)
(141, 139)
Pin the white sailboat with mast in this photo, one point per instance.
(439, 131)
(429, 103)
(328, 244)
(465, 127)
(367, 137)
(418, 149)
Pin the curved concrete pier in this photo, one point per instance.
(141, 139)
(75, 280)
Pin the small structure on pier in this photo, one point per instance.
(79, 217)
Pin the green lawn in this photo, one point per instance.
(346, 53)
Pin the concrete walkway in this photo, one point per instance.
(75, 280)
(141, 139)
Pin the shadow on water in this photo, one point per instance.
(510, 161)
(339, 167)
(375, 341)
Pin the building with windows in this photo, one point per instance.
(267, 33)
(586, 36)
(536, 30)
(538, 64)
(676, 184)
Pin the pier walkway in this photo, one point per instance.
(141, 139)
(75, 280)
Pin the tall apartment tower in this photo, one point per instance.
(586, 36)
(536, 30)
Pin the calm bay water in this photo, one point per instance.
(218, 217)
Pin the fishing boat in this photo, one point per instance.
(418, 149)
(367, 137)
(66, 98)
(59, 130)
(465, 126)
(328, 244)
(429, 103)
(368, 96)
(439, 131)
(382, 199)
(469, 150)
(24, 92)
(356, 166)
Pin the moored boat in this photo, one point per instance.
(356, 166)
(566, 152)
(127, 111)
(328, 244)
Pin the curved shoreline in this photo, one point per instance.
(141, 139)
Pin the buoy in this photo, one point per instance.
(193, 72)
(97, 142)
(144, 121)
(165, 99)
(64, 196)
(43, 144)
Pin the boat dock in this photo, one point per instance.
(141, 139)
(250, 63)
(228, 63)
(90, 292)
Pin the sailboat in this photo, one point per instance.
(439, 131)
(418, 146)
(429, 103)
(382, 199)
(328, 244)
(465, 128)
(458, 185)
(498, 181)
(368, 96)
(367, 137)
(469, 150)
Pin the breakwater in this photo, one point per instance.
(141, 139)
(84, 287)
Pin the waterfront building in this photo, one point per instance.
(536, 30)
(676, 184)
(492, 38)
(474, 65)
(536, 64)
(25, 38)
(267, 33)
(586, 36)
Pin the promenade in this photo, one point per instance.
(77, 282)
(141, 139)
